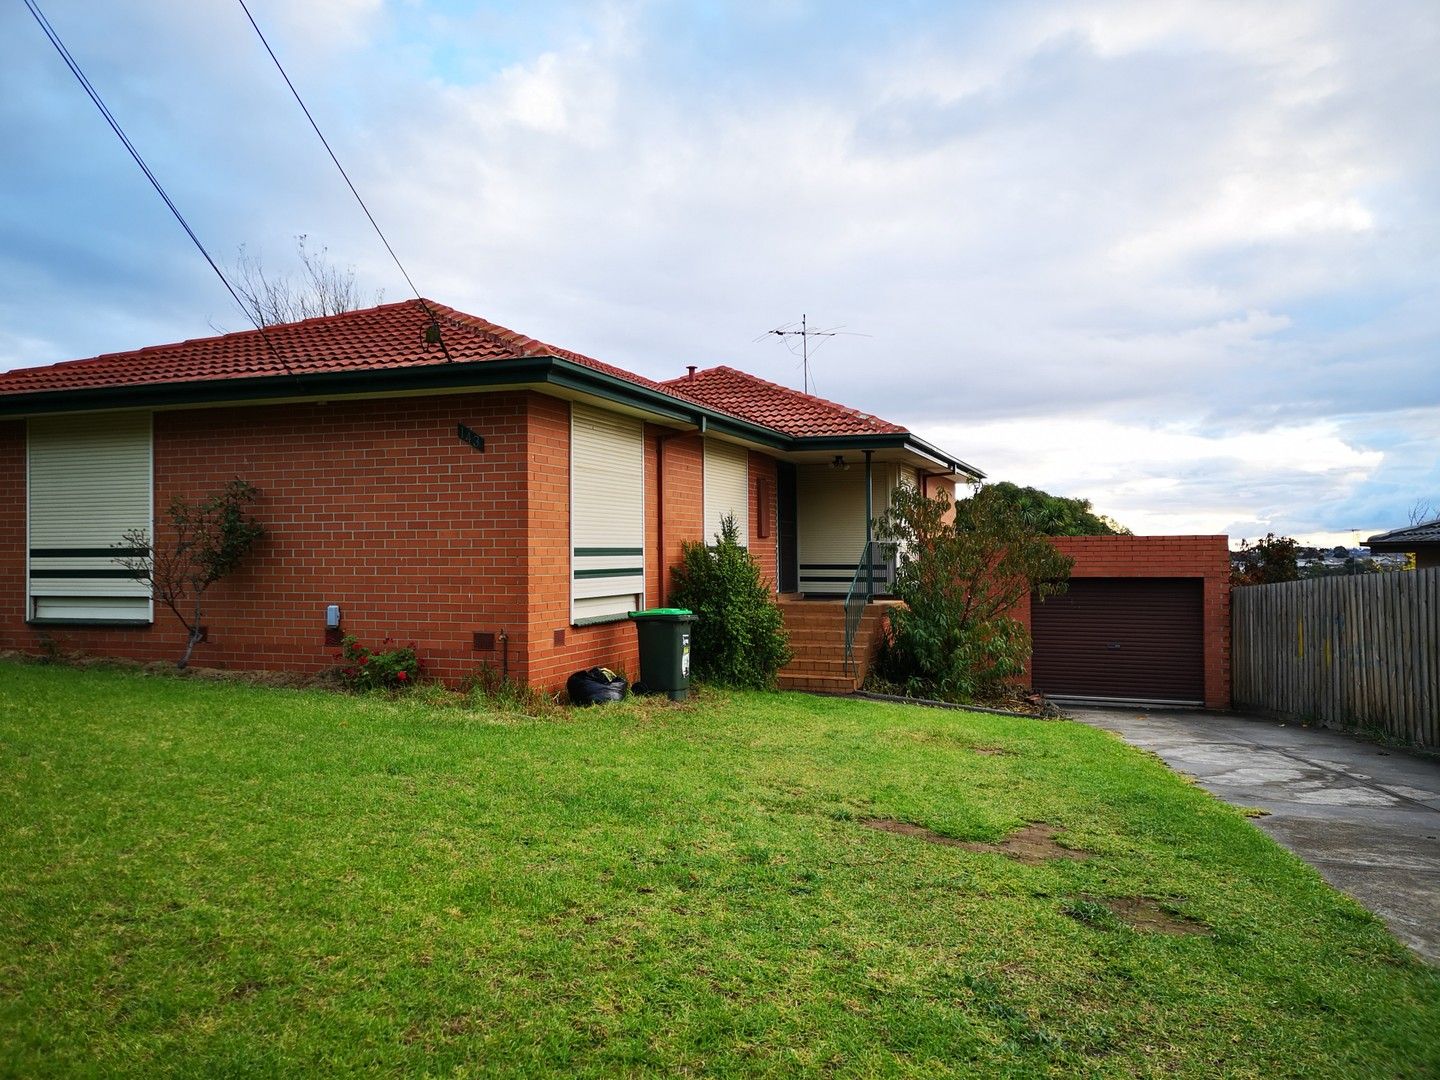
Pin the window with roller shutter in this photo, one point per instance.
(607, 515)
(88, 482)
(727, 488)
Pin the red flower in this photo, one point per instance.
(402, 675)
(364, 659)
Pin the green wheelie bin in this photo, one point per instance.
(664, 650)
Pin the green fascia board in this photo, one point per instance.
(486, 374)
(321, 385)
(544, 369)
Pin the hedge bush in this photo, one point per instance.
(739, 638)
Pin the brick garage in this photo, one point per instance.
(1181, 583)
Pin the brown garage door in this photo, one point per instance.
(1136, 638)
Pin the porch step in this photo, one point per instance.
(817, 640)
(818, 684)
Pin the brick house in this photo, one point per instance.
(495, 499)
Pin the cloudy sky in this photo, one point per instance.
(1182, 259)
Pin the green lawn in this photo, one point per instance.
(200, 878)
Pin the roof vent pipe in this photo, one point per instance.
(691, 369)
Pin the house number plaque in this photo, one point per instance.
(474, 438)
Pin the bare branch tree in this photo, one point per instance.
(1423, 511)
(321, 287)
(208, 541)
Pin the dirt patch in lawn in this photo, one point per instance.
(1147, 915)
(1033, 844)
(904, 828)
(992, 751)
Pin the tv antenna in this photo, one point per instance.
(805, 334)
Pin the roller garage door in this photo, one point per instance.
(1140, 639)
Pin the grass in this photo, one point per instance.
(221, 879)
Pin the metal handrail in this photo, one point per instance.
(860, 593)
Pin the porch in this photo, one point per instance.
(834, 580)
(818, 632)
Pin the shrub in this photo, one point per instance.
(390, 669)
(207, 540)
(739, 636)
(956, 639)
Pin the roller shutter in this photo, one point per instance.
(1140, 639)
(88, 483)
(727, 488)
(607, 515)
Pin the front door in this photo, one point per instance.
(786, 533)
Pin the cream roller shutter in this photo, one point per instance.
(88, 483)
(727, 488)
(607, 514)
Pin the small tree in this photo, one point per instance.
(739, 638)
(209, 540)
(955, 637)
(1268, 561)
(322, 287)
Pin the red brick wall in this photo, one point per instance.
(546, 663)
(764, 548)
(374, 505)
(932, 486)
(1206, 557)
(378, 507)
(684, 461)
(12, 530)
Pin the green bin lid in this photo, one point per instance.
(663, 612)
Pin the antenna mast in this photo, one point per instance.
(804, 334)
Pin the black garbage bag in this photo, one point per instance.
(594, 686)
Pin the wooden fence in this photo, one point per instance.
(1360, 651)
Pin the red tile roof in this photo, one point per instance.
(393, 336)
(388, 336)
(778, 407)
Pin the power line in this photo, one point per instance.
(94, 95)
(432, 335)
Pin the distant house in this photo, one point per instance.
(496, 499)
(1422, 539)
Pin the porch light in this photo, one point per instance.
(839, 463)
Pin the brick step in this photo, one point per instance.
(815, 666)
(818, 684)
(829, 620)
(818, 652)
(818, 641)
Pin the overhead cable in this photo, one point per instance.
(95, 97)
(433, 331)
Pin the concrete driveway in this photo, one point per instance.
(1367, 817)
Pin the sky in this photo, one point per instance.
(1181, 259)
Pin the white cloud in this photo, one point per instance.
(1172, 479)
